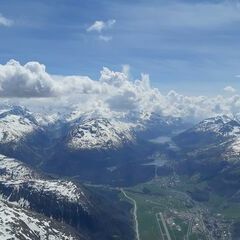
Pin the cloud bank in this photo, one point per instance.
(113, 93)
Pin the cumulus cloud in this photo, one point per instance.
(31, 80)
(99, 26)
(113, 93)
(229, 89)
(139, 96)
(5, 21)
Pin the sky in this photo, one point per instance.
(190, 46)
(178, 58)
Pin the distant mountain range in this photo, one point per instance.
(77, 144)
(82, 131)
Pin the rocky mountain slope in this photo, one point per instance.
(15, 124)
(210, 151)
(17, 222)
(68, 203)
(218, 134)
(21, 135)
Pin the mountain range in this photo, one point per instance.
(50, 165)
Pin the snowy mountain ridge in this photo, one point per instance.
(97, 130)
(86, 130)
(35, 206)
(221, 125)
(19, 223)
(17, 175)
(100, 134)
(15, 124)
(220, 131)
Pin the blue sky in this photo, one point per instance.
(190, 46)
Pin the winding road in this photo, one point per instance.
(134, 213)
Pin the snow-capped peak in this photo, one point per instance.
(220, 125)
(100, 133)
(15, 124)
(220, 131)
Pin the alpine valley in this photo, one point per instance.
(142, 175)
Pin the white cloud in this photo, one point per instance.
(99, 26)
(229, 89)
(126, 69)
(5, 21)
(113, 93)
(31, 80)
(105, 38)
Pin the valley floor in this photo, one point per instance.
(163, 209)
